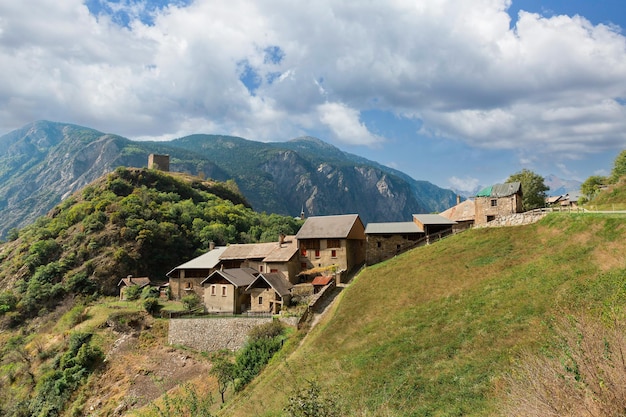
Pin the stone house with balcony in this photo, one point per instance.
(336, 242)
(499, 200)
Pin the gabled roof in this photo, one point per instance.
(501, 190)
(432, 219)
(207, 260)
(322, 280)
(396, 228)
(328, 227)
(239, 277)
(276, 280)
(464, 211)
(268, 252)
(130, 280)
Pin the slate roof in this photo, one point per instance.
(395, 228)
(501, 190)
(429, 219)
(328, 227)
(464, 211)
(276, 280)
(268, 252)
(239, 277)
(205, 261)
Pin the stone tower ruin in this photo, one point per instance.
(160, 162)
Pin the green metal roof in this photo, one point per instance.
(501, 190)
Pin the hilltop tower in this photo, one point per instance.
(160, 162)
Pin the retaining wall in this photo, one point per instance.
(517, 219)
(215, 333)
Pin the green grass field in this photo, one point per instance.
(435, 331)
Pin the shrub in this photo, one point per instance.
(8, 301)
(311, 401)
(71, 369)
(266, 331)
(132, 292)
(150, 292)
(151, 305)
(190, 301)
(253, 357)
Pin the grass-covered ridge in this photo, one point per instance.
(435, 331)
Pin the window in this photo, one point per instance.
(213, 290)
(261, 268)
(260, 300)
(317, 253)
(303, 251)
(378, 244)
(310, 244)
(224, 290)
(273, 270)
(188, 285)
(494, 203)
(333, 253)
(303, 265)
(333, 243)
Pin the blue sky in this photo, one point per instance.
(461, 93)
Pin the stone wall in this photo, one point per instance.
(517, 219)
(216, 333)
(380, 247)
(212, 334)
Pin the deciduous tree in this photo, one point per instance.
(533, 188)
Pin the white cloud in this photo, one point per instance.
(467, 184)
(345, 125)
(545, 86)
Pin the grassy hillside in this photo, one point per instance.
(436, 330)
(57, 326)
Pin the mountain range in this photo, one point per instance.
(44, 162)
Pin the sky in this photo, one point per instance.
(461, 93)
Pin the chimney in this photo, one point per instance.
(211, 245)
(302, 214)
(281, 239)
(458, 199)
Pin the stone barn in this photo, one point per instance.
(498, 200)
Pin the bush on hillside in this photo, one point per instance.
(150, 292)
(263, 342)
(151, 305)
(132, 292)
(191, 301)
(266, 331)
(70, 369)
(312, 401)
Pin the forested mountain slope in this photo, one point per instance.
(44, 162)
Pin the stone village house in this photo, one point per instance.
(498, 200)
(386, 240)
(336, 242)
(187, 278)
(269, 257)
